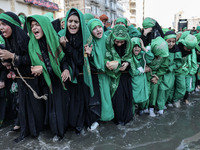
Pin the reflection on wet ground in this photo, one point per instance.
(177, 129)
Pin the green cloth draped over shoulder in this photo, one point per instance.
(119, 32)
(87, 39)
(98, 54)
(55, 51)
(9, 19)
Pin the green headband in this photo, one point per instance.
(120, 32)
(171, 36)
(9, 19)
(148, 23)
(93, 23)
(123, 20)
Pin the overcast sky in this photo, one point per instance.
(164, 10)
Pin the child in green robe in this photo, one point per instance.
(140, 85)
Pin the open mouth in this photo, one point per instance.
(36, 33)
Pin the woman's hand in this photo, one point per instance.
(36, 72)
(124, 66)
(147, 69)
(154, 80)
(88, 49)
(108, 65)
(5, 54)
(63, 41)
(7, 65)
(2, 84)
(65, 75)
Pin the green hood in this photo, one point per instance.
(148, 23)
(121, 20)
(188, 40)
(159, 47)
(55, 51)
(88, 17)
(49, 15)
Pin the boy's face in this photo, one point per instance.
(136, 50)
(171, 42)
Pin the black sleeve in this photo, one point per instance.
(3, 73)
(64, 64)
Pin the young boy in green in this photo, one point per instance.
(159, 67)
(140, 85)
(187, 44)
(175, 59)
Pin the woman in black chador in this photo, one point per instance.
(85, 100)
(15, 54)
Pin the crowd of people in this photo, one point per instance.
(75, 72)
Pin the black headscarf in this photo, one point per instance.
(18, 43)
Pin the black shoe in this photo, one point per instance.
(18, 139)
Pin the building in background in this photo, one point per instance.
(179, 18)
(32, 7)
(112, 8)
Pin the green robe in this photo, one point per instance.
(119, 32)
(98, 55)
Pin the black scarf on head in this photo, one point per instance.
(18, 43)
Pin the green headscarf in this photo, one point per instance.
(121, 20)
(22, 19)
(136, 41)
(88, 17)
(170, 36)
(119, 32)
(98, 54)
(99, 45)
(9, 19)
(159, 47)
(55, 51)
(188, 40)
(148, 23)
(87, 39)
(49, 15)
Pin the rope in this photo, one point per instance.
(34, 92)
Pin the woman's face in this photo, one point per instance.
(171, 42)
(73, 24)
(63, 24)
(97, 32)
(37, 30)
(119, 42)
(136, 50)
(5, 29)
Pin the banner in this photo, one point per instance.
(43, 3)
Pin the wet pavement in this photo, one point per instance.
(177, 129)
